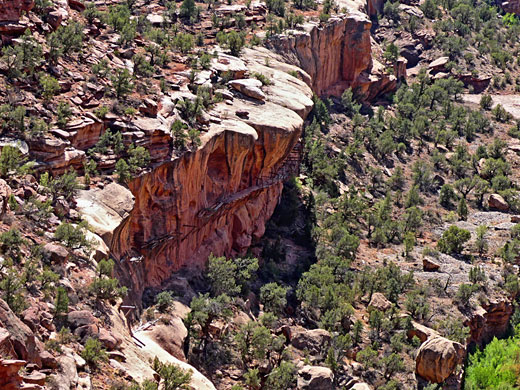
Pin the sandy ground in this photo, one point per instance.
(510, 102)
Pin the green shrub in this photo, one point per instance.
(233, 41)
(71, 236)
(453, 240)
(273, 297)
(93, 352)
(164, 300)
(49, 85)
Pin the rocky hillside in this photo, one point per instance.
(255, 195)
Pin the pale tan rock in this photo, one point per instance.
(171, 337)
(421, 332)
(249, 87)
(437, 359)
(380, 302)
(315, 378)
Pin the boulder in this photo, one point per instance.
(421, 332)
(67, 376)
(171, 337)
(11, 10)
(249, 87)
(35, 377)
(149, 108)
(429, 265)
(380, 302)
(79, 318)
(56, 252)
(54, 18)
(314, 341)
(109, 340)
(439, 63)
(497, 202)
(437, 359)
(315, 378)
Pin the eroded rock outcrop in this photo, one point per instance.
(490, 320)
(337, 55)
(215, 199)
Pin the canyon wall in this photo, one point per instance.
(215, 199)
(337, 55)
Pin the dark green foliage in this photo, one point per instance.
(93, 352)
(104, 286)
(447, 196)
(23, 58)
(11, 243)
(486, 102)
(464, 294)
(189, 11)
(72, 236)
(179, 135)
(164, 300)
(61, 303)
(233, 41)
(230, 276)
(122, 82)
(65, 40)
(391, 53)
(273, 297)
(11, 287)
(282, 377)
(276, 6)
(350, 107)
(49, 86)
(173, 377)
(11, 160)
(453, 240)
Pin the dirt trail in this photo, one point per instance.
(510, 102)
(198, 381)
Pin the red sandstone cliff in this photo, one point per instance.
(336, 55)
(215, 199)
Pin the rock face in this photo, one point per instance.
(337, 55)
(213, 199)
(489, 321)
(437, 359)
